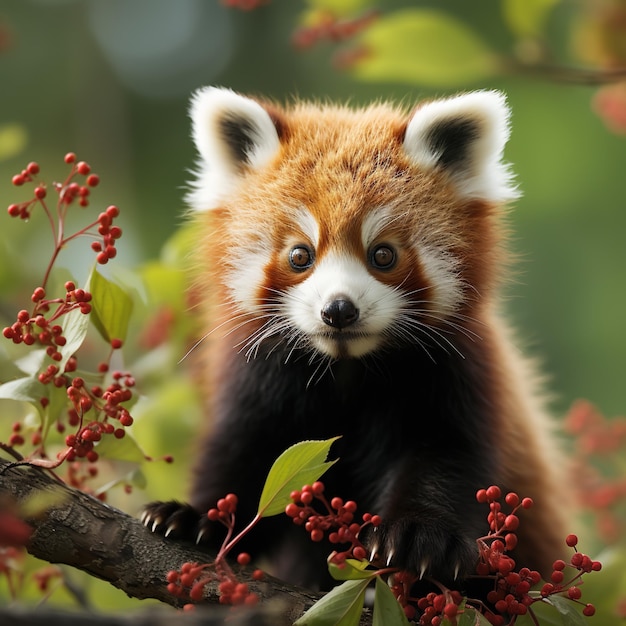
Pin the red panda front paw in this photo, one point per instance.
(424, 548)
(175, 520)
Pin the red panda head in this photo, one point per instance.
(342, 231)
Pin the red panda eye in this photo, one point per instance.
(301, 258)
(382, 257)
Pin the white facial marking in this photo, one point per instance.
(340, 275)
(440, 268)
(375, 223)
(307, 224)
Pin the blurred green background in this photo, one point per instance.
(110, 80)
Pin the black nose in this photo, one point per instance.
(340, 313)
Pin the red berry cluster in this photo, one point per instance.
(190, 581)
(36, 328)
(105, 404)
(69, 192)
(225, 510)
(337, 518)
(433, 608)
(511, 595)
(581, 564)
(330, 28)
(436, 607)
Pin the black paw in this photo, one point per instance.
(424, 548)
(175, 520)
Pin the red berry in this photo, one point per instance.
(112, 211)
(557, 577)
(571, 540)
(574, 593)
(589, 610)
(116, 344)
(512, 499)
(481, 496)
(359, 553)
(70, 157)
(14, 210)
(38, 294)
(258, 574)
(115, 232)
(527, 503)
(83, 168)
(93, 180)
(336, 503)
(494, 492)
(243, 558)
(32, 168)
(40, 192)
(18, 180)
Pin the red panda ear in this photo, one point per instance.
(232, 134)
(465, 136)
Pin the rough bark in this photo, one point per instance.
(73, 528)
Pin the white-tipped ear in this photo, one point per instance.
(465, 136)
(233, 134)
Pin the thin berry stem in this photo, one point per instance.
(228, 545)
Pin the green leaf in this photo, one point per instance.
(423, 46)
(27, 389)
(342, 606)
(527, 18)
(111, 307)
(387, 610)
(124, 449)
(75, 325)
(301, 464)
(566, 613)
(351, 570)
(569, 611)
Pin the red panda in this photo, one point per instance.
(349, 263)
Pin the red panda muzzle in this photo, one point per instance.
(340, 313)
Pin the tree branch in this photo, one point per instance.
(73, 528)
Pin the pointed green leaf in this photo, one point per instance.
(124, 449)
(568, 610)
(342, 606)
(301, 464)
(111, 307)
(387, 610)
(527, 18)
(351, 570)
(424, 46)
(27, 389)
(75, 325)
